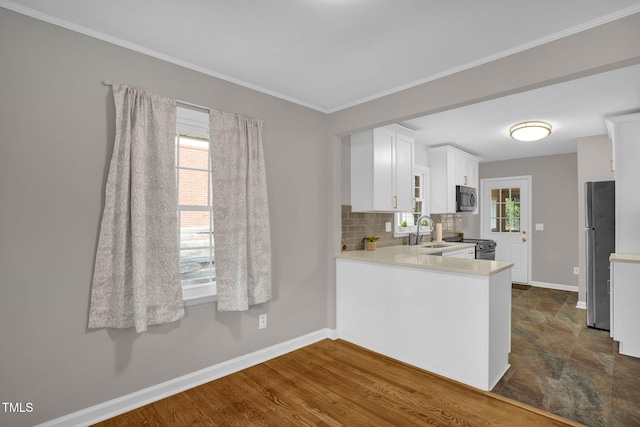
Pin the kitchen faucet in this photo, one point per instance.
(418, 237)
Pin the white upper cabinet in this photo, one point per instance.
(450, 167)
(421, 190)
(466, 170)
(624, 132)
(381, 171)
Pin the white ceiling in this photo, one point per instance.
(332, 54)
(574, 109)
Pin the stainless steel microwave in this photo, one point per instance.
(466, 199)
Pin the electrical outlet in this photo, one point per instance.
(387, 226)
(262, 321)
(576, 270)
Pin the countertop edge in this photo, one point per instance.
(631, 258)
(361, 256)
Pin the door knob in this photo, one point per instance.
(524, 232)
(524, 239)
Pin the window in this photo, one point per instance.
(405, 220)
(195, 206)
(505, 210)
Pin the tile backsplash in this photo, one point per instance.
(357, 225)
(450, 222)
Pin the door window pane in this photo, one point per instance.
(505, 210)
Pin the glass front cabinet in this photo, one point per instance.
(405, 222)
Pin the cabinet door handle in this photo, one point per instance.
(466, 180)
(395, 202)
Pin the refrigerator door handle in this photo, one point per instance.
(588, 188)
(589, 276)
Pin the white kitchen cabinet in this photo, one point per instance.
(625, 294)
(381, 171)
(624, 132)
(421, 190)
(449, 167)
(457, 253)
(469, 253)
(466, 171)
(420, 205)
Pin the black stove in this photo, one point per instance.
(485, 248)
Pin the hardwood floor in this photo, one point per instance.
(335, 383)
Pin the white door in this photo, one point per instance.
(505, 217)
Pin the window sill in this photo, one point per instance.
(200, 300)
(199, 294)
(405, 231)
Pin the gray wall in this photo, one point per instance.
(56, 138)
(594, 164)
(554, 203)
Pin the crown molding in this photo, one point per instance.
(149, 52)
(327, 110)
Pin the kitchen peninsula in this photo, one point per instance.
(450, 316)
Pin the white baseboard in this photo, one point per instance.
(582, 305)
(120, 405)
(556, 286)
(333, 334)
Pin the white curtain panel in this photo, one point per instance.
(240, 212)
(136, 278)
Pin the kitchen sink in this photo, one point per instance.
(436, 246)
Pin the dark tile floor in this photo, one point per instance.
(560, 365)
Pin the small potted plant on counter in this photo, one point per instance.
(370, 243)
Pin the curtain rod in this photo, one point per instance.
(182, 103)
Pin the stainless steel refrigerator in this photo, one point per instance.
(600, 223)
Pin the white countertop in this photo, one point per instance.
(421, 257)
(624, 258)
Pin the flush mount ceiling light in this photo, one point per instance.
(530, 131)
